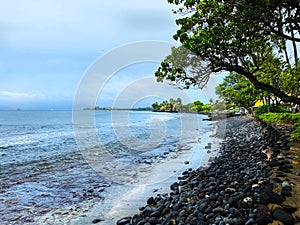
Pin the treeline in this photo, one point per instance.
(175, 105)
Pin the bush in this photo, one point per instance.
(273, 108)
(287, 118)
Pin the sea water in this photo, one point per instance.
(44, 170)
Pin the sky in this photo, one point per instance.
(48, 47)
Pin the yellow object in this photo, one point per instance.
(258, 103)
(276, 222)
(295, 162)
(293, 148)
(273, 207)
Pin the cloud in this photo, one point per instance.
(46, 46)
(19, 95)
(148, 20)
(85, 24)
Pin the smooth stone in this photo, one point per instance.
(213, 197)
(147, 210)
(194, 221)
(124, 220)
(218, 210)
(234, 210)
(251, 222)
(165, 211)
(239, 221)
(271, 197)
(208, 210)
(277, 180)
(280, 174)
(264, 219)
(263, 215)
(150, 201)
(155, 214)
(97, 220)
(201, 217)
(153, 221)
(233, 200)
(182, 213)
(289, 209)
(286, 193)
(286, 188)
(283, 216)
(174, 186)
(142, 222)
(230, 190)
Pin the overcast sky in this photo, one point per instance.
(47, 46)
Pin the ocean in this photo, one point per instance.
(56, 167)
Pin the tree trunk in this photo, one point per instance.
(259, 85)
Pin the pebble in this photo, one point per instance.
(284, 217)
(124, 221)
(97, 220)
(235, 189)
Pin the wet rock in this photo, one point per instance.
(153, 221)
(271, 197)
(263, 215)
(218, 210)
(231, 189)
(289, 209)
(97, 220)
(124, 221)
(174, 186)
(251, 221)
(150, 201)
(283, 216)
(264, 219)
(286, 192)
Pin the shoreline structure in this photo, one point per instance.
(254, 180)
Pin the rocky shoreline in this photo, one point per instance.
(237, 188)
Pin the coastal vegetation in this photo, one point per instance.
(284, 118)
(258, 40)
(176, 106)
(237, 90)
(173, 105)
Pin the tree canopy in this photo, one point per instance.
(237, 90)
(247, 37)
(173, 105)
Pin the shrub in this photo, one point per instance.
(273, 108)
(287, 118)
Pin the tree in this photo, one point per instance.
(179, 104)
(198, 106)
(172, 104)
(236, 36)
(155, 106)
(238, 90)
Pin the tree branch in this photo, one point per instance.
(259, 85)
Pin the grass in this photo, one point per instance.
(285, 118)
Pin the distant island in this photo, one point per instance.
(171, 106)
(113, 108)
